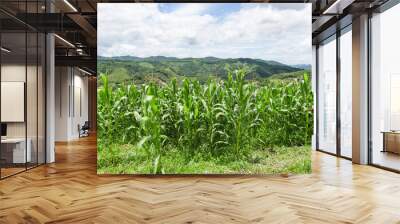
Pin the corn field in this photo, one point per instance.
(232, 116)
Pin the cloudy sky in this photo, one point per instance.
(280, 32)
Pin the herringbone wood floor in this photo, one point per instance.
(69, 191)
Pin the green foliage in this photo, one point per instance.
(162, 69)
(234, 117)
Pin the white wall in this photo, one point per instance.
(79, 117)
(16, 73)
(9, 73)
(62, 82)
(33, 126)
(70, 83)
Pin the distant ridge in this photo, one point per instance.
(162, 68)
(209, 58)
(303, 66)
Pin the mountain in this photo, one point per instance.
(161, 68)
(302, 66)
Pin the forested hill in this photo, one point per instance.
(161, 69)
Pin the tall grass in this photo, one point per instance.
(233, 116)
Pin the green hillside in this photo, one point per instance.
(126, 69)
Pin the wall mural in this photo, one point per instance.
(204, 88)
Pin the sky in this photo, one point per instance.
(279, 32)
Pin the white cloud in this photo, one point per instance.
(278, 32)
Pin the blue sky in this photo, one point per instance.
(217, 10)
(280, 32)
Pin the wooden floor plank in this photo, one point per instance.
(70, 191)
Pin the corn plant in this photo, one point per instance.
(235, 115)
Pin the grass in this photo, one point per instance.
(128, 159)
